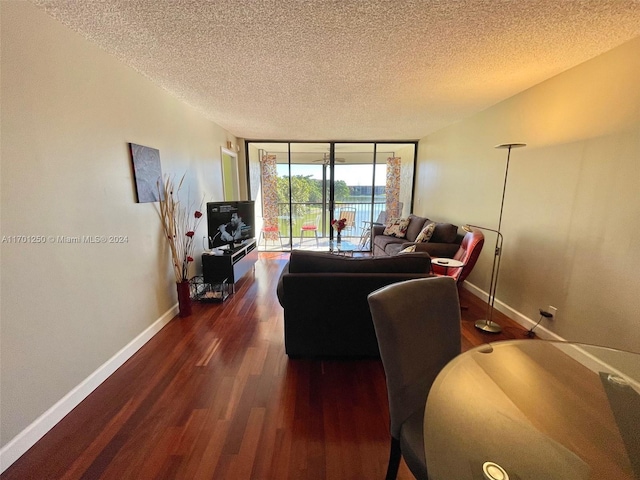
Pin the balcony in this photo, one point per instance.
(291, 218)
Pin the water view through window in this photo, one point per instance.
(304, 186)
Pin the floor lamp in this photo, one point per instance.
(488, 325)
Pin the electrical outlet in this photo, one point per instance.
(553, 311)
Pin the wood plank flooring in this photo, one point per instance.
(213, 396)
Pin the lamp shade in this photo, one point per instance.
(511, 145)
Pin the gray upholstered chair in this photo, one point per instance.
(417, 325)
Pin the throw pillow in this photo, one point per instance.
(409, 249)
(416, 224)
(425, 234)
(397, 227)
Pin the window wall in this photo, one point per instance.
(305, 185)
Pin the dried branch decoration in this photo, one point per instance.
(179, 227)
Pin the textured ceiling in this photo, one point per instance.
(348, 69)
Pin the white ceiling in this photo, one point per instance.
(348, 69)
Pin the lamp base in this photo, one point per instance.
(488, 326)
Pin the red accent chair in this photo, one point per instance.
(310, 226)
(266, 230)
(468, 253)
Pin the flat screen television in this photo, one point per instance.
(230, 223)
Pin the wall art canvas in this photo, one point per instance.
(147, 172)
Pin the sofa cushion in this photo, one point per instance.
(318, 262)
(383, 242)
(426, 233)
(392, 249)
(416, 224)
(397, 227)
(444, 233)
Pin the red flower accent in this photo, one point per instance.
(339, 224)
(197, 214)
(189, 259)
(190, 233)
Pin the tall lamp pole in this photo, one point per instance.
(488, 325)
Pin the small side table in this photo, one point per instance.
(343, 248)
(447, 263)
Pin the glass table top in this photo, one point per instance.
(343, 247)
(536, 410)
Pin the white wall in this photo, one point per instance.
(68, 113)
(407, 153)
(572, 206)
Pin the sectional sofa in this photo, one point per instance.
(444, 242)
(324, 296)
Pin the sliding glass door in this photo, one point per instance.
(305, 185)
(355, 177)
(309, 179)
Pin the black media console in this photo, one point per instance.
(231, 265)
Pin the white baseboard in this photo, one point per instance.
(34, 432)
(579, 353)
(45, 422)
(519, 318)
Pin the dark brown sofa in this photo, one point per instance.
(444, 242)
(324, 296)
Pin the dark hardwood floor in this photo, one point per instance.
(214, 396)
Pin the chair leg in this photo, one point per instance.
(462, 307)
(394, 460)
(363, 239)
(262, 236)
(315, 232)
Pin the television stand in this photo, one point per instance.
(231, 265)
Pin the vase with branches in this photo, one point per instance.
(179, 224)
